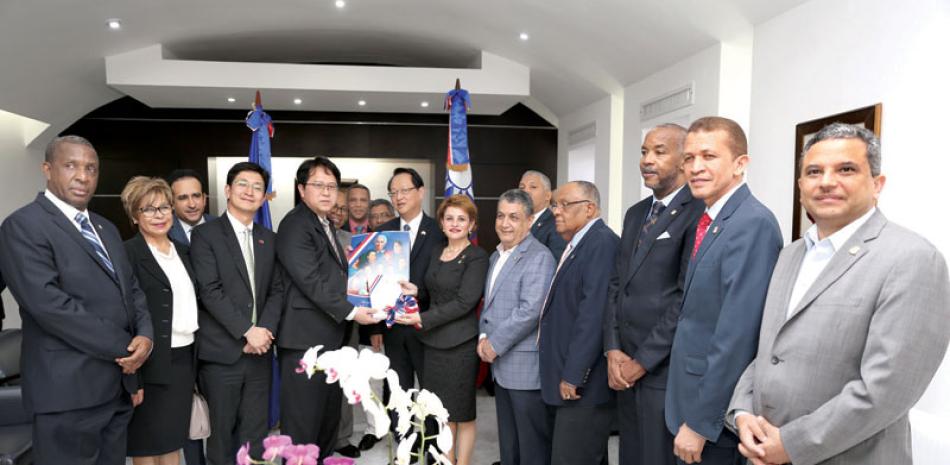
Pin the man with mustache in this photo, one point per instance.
(189, 204)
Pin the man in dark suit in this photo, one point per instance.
(316, 311)
(407, 190)
(737, 243)
(240, 286)
(538, 186)
(571, 344)
(189, 204)
(86, 326)
(3, 315)
(644, 297)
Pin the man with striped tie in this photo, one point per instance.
(86, 327)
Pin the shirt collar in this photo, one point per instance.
(580, 234)
(669, 198)
(187, 227)
(238, 226)
(67, 209)
(413, 223)
(536, 216)
(364, 224)
(839, 238)
(714, 210)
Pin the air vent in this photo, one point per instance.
(679, 98)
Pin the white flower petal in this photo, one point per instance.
(404, 450)
(444, 439)
(440, 459)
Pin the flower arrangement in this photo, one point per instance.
(277, 447)
(354, 370)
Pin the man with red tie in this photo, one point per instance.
(737, 244)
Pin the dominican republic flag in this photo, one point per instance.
(458, 170)
(262, 130)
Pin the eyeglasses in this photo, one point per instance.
(150, 211)
(564, 205)
(381, 216)
(319, 186)
(339, 208)
(403, 192)
(256, 187)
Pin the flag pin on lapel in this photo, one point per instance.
(715, 229)
(422, 232)
(854, 250)
(673, 212)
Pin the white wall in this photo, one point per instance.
(830, 56)
(598, 114)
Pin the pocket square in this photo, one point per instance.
(665, 235)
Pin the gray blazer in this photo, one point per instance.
(839, 376)
(511, 312)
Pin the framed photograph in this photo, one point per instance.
(377, 262)
(867, 117)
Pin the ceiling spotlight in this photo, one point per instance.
(114, 24)
(523, 36)
(361, 103)
(424, 104)
(231, 100)
(340, 3)
(297, 101)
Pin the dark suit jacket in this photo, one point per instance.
(3, 315)
(315, 309)
(225, 290)
(543, 230)
(160, 298)
(77, 316)
(177, 232)
(428, 237)
(646, 286)
(722, 309)
(455, 289)
(572, 321)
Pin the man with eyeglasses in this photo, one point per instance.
(316, 311)
(570, 334)
(380, 211)
(241, 289)
(189, 201)
(339, 215)
(86, 327)
(406, 190)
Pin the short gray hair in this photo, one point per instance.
(849, 131)
(590, 191)
(520, 197)
(545, 180)
(54, 144)
(679, 130)
(385, 203)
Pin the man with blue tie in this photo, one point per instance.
(736, 246)
(189, 203)
(86, 326)
(570, 338)
(645, 293)
(519, 275)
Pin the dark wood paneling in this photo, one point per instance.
(133, 139)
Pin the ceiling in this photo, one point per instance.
(52, 52)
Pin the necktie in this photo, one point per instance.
(90, 235)
(359, 229)
(248, 250)
(658, 208)
(332, 237)
(701, 227)
(408, 229)
(567, 253)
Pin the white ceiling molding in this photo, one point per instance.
(148, 76)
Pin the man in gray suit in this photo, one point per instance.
(519, 275)
(856, 322)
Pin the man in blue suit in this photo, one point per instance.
(190, 200)
(519, 275)
(538, 186)
(737, 243)
(571, 342)
(86, 326)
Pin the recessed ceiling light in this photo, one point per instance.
(523, 36)
(297, 101)
(361, 103)
(340, 3)
(424, 104)
(114, 24)
(231, 100)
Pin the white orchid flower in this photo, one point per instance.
(440, 459)
(401, 402)
(429, 404)
(404, 450)
(375, 365)
(308, 364)
(444, 439)
(377, 416)
(337, 363)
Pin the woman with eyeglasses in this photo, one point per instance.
(160, 421)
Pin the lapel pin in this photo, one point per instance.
(260, 241)
(673, 212)
(422, 232)
(715, 229)
(854, 250)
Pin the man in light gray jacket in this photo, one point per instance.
(856, 322)
(519, 275)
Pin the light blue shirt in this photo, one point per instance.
(580, 234)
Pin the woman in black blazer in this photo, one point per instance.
(160, 422)
(455, 281)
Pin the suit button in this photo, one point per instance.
(775, 360)
(166, 290)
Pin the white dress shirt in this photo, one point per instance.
(499, 264)
(714, 210)
(413, 227)
(818, 254)
(188, 228)
(669, 198)
(70, 212)
(184, 301)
